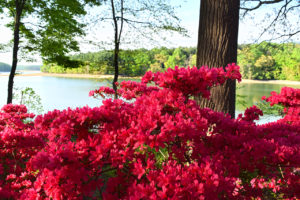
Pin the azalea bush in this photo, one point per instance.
(153, 143)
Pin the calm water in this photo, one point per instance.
(252, 92)
(60, 93)
(55, 92)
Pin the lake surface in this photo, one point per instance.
(60, 93)
(56, 92)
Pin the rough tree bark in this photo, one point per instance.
(19, 8)
(217, 46)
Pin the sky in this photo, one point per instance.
(189, 15)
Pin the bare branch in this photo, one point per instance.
(293, 7)
(144, 35)
(281, 23)
(260, 3)
(134, 21)
(282, 11)
(289, 35)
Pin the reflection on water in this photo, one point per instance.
(252, 92)
(60, 93)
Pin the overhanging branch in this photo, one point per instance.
(259, 4)
(282, 20)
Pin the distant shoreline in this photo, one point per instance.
(92, 76)
(271, 81)
(88, 76)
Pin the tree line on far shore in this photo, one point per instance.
(265, 61)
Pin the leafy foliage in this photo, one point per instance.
(29, 98)
(276, 110)
(160, 146)
(265, 61)
(48, 27)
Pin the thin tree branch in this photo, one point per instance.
(281, 10)
(125, 19)
(260, 3)
(291, 8)
(32, 24)
(280, 17)
(134, 21)
(289, 35)
(122, 20)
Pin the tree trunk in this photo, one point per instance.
(19, 8)
(116, 64)
(217, 46)
(117, 40)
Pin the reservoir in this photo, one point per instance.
(61, 93)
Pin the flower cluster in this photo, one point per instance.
(101, 91)
(160, 146)
(193, 81)
(19, 142)
(290, 99)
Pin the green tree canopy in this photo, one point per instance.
(177, 59)
(48, 27)
(45, 26)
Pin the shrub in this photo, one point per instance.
(160, 146)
